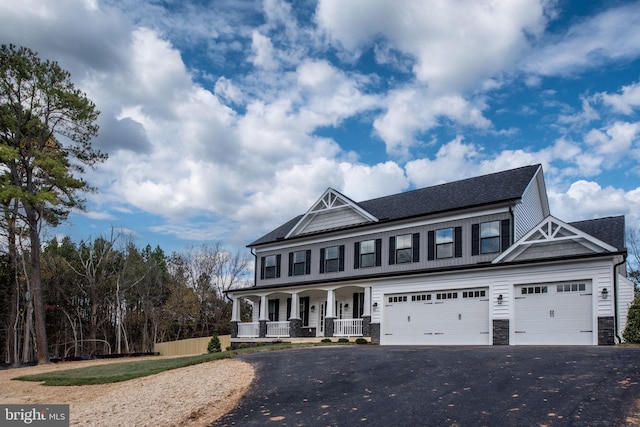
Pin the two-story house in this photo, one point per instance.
(471, 262)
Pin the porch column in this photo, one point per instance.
(235, 309)
(366, 313)
(366, 310)
(295, 322)
(264, 317)
(330, 316)
(235, 316)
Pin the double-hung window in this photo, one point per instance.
(367, 253)
(299, 263)
(404, 251)
(490, 237)
(404, 248)
(444, 243)
(331, 259)
(270, 267)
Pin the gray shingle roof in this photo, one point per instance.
(610, 230)
(472, 192)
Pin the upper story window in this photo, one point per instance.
(444, 243)
(270, 267)
(490, 237)
(332, 259)
(404, 248)
(299, 263)
(367, 253)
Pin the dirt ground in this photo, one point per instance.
(191, 396)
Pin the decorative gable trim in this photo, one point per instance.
(552, 230)
(329, 203)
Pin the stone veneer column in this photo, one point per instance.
(606, 335)
(328, 326)
(366, 326)
(375, 333)
(501, 332)
(234, 329)
(295, 328)
(263, 329)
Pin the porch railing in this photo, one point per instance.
(347, 328)
(277, 329)
(248, 330)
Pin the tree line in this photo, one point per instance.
(106, 296)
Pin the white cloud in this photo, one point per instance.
(626, 101)
(587, 200)
(488, 35)
(610, 36)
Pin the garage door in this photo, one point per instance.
(452, 317)
(554, 313)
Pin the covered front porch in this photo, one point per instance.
(303, 314)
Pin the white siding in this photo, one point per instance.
(625, 298)
(530, 211)
(332, 219)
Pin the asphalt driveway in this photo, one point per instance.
(442, 386)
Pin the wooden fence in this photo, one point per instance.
(189, 346)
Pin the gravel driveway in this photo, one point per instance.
(442, 386)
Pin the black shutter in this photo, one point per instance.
(262, 268)
(305, 314)
(431, 245)
(475, 239)
(505, 234)
(321, 260)
(392, 250)
(378, 252)
(356, 255)
(341, 258)
(290, 263)
(307, 262)
(416, 247)
(277, 310)
(278, 261)
(288, 308)
(457, 241)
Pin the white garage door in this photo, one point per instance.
(452, 317)
(554, 313)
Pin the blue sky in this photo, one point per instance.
(225, 118)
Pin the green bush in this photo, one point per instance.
(260, 343)
(343, 339)
(632, 330)
(326, 340)
(361, 341)
(214, 345)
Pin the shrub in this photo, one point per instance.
(214, 345)
(326, 340)
(343, 339)
(260, 343)
(361, 341)
(244, 345)
(632, 330)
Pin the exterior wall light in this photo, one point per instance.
(605, 293)
(375, 304)
(500, 298)
(313, 308)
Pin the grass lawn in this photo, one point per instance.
(123, 371)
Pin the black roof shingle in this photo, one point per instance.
(467, 193)
(610, 230)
